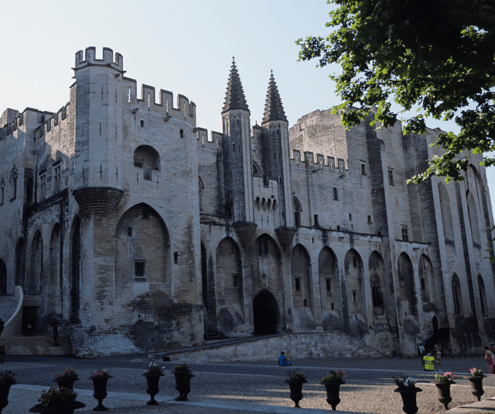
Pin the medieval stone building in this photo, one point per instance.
(119, 215)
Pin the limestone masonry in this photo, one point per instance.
(135, 229)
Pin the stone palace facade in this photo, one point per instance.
(123, 220)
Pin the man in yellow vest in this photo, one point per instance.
(429, 361)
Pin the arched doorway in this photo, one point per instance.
(434, 324)
(265, 314)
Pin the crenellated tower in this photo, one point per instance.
(237, 158)
(98, 131)
(276, 156)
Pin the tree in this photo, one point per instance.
(434, 55)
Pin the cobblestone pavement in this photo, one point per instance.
(247, 386)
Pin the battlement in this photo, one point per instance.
(89, 59)
(20, 119)
(185, 110)
(308, 160)
(212, 142)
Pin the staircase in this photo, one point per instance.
(38, 344)
(8, 305)
(214, 329)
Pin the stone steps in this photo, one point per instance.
(37, 345)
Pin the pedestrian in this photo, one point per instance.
(428, 361)
(437, 355)
(489, 359)
(421, 350)
(282, 360)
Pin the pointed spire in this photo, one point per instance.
(274, 110)
(234, 98)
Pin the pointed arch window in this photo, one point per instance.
(13, 181)
(256, 170)
(297, 212)
(376, 293)
(456, 293)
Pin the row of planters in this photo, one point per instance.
(405, 386)
(62, 399)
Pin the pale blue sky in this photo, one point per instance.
(182, 46)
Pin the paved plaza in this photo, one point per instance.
(249, 386)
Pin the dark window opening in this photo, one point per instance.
(335, 194)
(363, 169)
(350, 217)
(236, 281)
(369, 219)
(142, 123)
(391, 177)
(354, 296)
(333, 307)
(329, 287)
(147, 174)
(146, 214)
(176, 258)
(405, 236)
(305, 303)
(423, 285)
(338, 228)
(298, 284)
(297, 218)
(317, 222)
(354, 261)
(262, 248)
(129, 231)
(182, 133)
(139, 268)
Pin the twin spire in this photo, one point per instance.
(235, 98)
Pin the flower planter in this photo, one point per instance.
(65, 409)
(477, 386)
(66, 382)
(183, 384)
(4, 395)
(152, 386)
(100, 391)
(296, 390)
(444, 393)
(333, 390)
(409, 399)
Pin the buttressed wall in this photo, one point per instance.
(124, 221)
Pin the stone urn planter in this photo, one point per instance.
(296, 394)
(477, 385)
(100, 390)
(152, 381)
(444, 393)
(408, 395)
(66, 382)
(4, 395)
(183, 384)
(333, 391)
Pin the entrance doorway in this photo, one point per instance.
(29, 317)
(265, 314)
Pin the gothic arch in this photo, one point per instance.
(14, 174)
(406, 288)
(256, 170)
(353, 265)
(301, 278)
(456, 295)
(426, 281)
(54, 279)
(473, 218)
(377, 281)
(3, 278)
(448, 227)
(266, 265)
(36, 271)
(266, 313)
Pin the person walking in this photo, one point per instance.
(429, 361)
(489, 359)
(421, 350)
(438, 356)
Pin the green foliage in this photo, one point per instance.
(437, 56)
(335, 376)
(56, 397)
(181, 367)
(296, 376)
(69, 373)
(7, 377)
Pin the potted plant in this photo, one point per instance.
(183, 377)
(476, 380)
(443, 383)
(408, 391)
(7, 379)
(295, 379)
(59, 400)
(100, 379)
(332, 384)
(153, 378)
(67, 378)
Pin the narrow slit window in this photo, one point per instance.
(329, 287)
(298, 284)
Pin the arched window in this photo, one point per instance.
(256, 170)
(448, 227)
(13, 181)
(297, 212)
(406, 279)
(481, 287)
(426, 279)
(148, 159)
(376, 294)
(473, 219)
(456, 292)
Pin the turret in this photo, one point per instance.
(276, 159)
(238, 163)
(98, 131)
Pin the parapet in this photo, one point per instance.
(89, 59)
(324, 163)
(212, 142)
